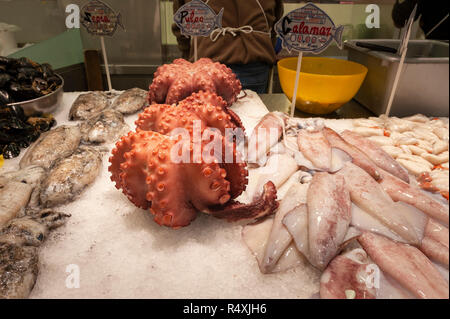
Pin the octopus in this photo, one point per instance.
(178, 80)
(87, 105)
(131, 101)
(358, 220)
(177, 145)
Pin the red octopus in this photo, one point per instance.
(178, 80)
(143, 165)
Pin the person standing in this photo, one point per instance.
(245, 43)
(434, 16)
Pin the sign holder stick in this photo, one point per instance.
(195, 49)
(297, 80)
(105, 59)
(403, 47)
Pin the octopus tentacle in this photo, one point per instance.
(214, 99)
(174, 82)
(122, 146)
(134, 168)
(262, 206)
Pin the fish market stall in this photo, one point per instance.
(144, 259)
(200, 188)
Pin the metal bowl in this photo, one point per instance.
(45, 104)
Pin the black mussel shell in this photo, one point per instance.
(42, 124)
(5, 78)
(13, 124)
(5, 98)
(12, 111)
(10, 150)
(22, 92)
(25, 63)
(5, 60)
(54, 80)
(40, 86)
(47, 71)
(27, 74)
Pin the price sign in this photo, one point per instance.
(100, 19)
(196, 18)
(307, 29)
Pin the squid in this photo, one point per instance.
(329, 215)
(280, 238)
(316, 148)
(435, 243)
(376, 154)
(398, 190)
(359, 158)
(265, 135)
(370, 196)
(407, 265)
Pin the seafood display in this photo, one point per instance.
(371, 231)
(176, 81)
(131, 101)
(70, 176)
(23, 228)
(18, 130)
(419, 144)
(142, 165)
(107, 126)
(22, 79)
(19, 242)
(87, 105)
(352, 207)
(52, 146)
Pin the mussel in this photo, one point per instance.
(22, 80)
(19, 131)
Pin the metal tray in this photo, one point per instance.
(44, 104)
(423, 84)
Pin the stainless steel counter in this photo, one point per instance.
(352, 109)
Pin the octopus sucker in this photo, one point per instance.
(407, 265)
(153, 164)
(260, 207)
(178, 80)
(211, 98)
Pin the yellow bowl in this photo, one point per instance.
(325, 84)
